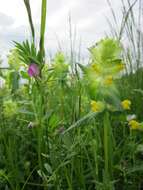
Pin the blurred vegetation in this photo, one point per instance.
(66, 127)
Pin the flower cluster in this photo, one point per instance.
(126, 104)
(105, 62)
(97, 106)
(33, 70)
(104, 68)
(134, 125)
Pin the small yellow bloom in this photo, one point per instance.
(108, 80)
(126, 104)
(82, 109)
(134, 124)
(120, 67)
(95, 67)
(97, 106)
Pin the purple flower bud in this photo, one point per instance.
(33, 70)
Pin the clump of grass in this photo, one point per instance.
(70, 130)
(131, 37)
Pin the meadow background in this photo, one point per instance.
(71, 95)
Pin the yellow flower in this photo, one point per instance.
(97, 106)
(95, 67)
(126, 104)
(120, 67)
(134, 124)
(108, 80)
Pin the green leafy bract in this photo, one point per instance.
(104, 67)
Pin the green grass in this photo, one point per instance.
(51, 136)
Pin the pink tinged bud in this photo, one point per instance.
(33, 70)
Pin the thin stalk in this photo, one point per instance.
(28, 8)
(43, 27)
(68, 179)
(106, 145)
(107, 152)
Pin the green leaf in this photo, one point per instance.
(81, 121)
(105, 51)
(14, 81)
(136, 168)
(24, 75)
(48, 168)
(28, 8)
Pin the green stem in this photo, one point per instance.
(106, 117)
(43, 26)
(107, 152)
(28, 8)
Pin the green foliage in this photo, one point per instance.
(27, 52)
(10, 108)
(106, 51)
(13, 81)
(12, 75)
(60, 67)
(105, 66)
(13, 60)
(61, 140)
(50, 138)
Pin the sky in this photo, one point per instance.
(88, 17)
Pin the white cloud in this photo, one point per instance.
(5, 20)
(88, 16)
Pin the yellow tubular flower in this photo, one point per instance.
(95, 67)
(120, 67)
(126, 104)
(134, 125)
(97, 106)
(108, 80)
